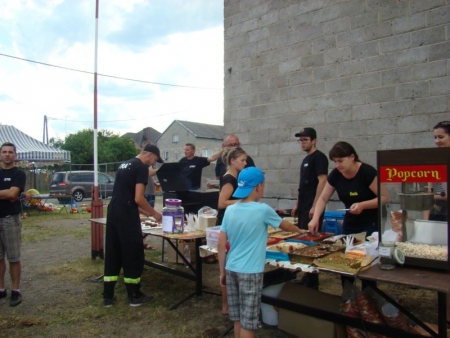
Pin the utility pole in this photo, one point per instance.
(45, 135)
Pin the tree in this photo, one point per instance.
(56, 142)
(111, 147)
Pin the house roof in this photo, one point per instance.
(30, 149)
(146, 134)
(201, 130)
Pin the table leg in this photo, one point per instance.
(442, 314)
(198, 268)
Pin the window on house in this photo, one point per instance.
(175, 139)
(206, 153)
(176, 156)
(166, 155)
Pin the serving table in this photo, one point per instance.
(437, 281)
(196, 270)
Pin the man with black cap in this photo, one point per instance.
(124, 246)
(313, 176)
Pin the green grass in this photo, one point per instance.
(41, 227)
(79, 311)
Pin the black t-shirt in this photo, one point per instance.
(221, 168)
(233, 181)
(312, 166)
(356, 190)
(128, 175)
(13, 177)
(191, 171)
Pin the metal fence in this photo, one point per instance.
(39, 177)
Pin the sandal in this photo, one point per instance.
(149, 247)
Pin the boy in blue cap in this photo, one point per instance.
(245, 227)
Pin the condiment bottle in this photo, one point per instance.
(173, 217)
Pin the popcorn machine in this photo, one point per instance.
(417, 216)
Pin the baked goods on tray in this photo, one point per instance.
(338, 261)
(286, 247)
(152, 224)
(271, 230)
(308, 254)
(313, 237)
(284, 234)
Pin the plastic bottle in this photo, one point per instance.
(187, 252)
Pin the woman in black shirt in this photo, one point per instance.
(356, 184)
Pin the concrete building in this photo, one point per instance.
(372, 73)
(146, 134)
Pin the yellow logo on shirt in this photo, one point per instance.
(353, 193)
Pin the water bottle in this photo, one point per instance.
(187, 252)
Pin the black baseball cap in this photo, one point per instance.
(154, 150)
(310, 132)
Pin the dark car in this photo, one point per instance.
(80, 183)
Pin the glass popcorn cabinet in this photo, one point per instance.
(416, 218)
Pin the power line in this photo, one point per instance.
(126, 120)
(106, 75)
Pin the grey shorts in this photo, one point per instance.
(10, 237)
(244, 298)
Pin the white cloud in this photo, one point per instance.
(29, 91)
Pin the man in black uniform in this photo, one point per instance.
(12, 184)
(191, 166)
(230, 142)
(124, 247)
(313, 177)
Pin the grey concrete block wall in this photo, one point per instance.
(373, 73)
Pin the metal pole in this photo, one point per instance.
(96, 204)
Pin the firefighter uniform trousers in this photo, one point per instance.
(124, 248)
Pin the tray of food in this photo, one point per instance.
(309, 254)
(150, 224)
(286, 247)
(271, 240)
(338, 261)
(271, 230)
(284, 234)
(319, 236)
(337, 239)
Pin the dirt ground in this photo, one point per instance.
(46, 297)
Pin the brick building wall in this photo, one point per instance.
(372, 73)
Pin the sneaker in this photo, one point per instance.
(3, 294)
(108, 302)
(310, 280)
(138, 301)
(16, 298)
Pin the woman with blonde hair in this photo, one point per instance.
(236, 160)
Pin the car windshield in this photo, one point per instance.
(58, 178)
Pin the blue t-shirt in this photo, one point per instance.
(246, 227)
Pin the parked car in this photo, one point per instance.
(79, 184)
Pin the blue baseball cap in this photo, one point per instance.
(248, 179)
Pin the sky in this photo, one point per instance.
(140, 43)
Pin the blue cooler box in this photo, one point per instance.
(332, 222)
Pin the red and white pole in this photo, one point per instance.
(96, 204)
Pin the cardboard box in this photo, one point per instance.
(172, 256)
(300, 325)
